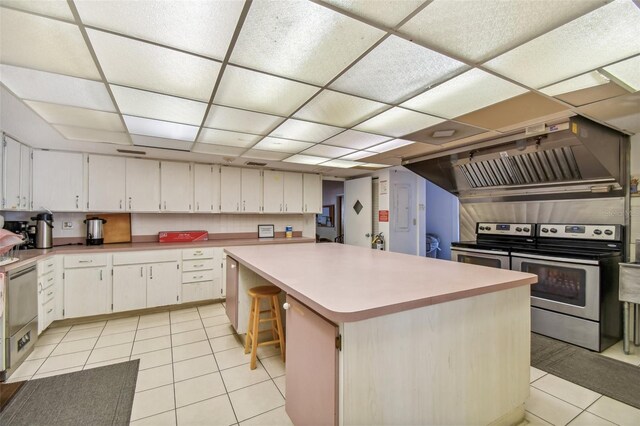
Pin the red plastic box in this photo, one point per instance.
(182, 236)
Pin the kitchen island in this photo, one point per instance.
(384, 338)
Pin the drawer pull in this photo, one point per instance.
(50, 265)
(198, 277)
(50, 279)
(50, 310)
(85, 261)
(198, 266)
(50, 293)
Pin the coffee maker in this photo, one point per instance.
(21, 228)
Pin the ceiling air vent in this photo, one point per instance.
(254, 163)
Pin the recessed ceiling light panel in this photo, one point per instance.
(388, 146)
(54, 8)
(305, 131)
(338, 109)
(160, 129)
(223, 137)
(92, 135)
(79, 117)
(627, 71)
(341, 164)
(327, 151)
(305, 159)
(583, 81)
(239, 120)
(356, 140)
(398, 122)
(281, 145)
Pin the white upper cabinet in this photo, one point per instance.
(251, 191)
(58, 181)
(292, 192)
(107, 187)
(273, 191)
(11, 157)
(230, 189)
(206, 188)
(143, 185)
(25, 177)
(176, 187)
(312, 193)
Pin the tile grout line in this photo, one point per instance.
(571, 403)
(48, 356)
(94, 345)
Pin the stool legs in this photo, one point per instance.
(255, 331)
(251, 342)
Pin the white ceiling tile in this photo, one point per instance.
(163, 143)
(398, 122)
(223, 137)
(603, 36)
(339, 109)
(203, 27)
(358, 155)
(239, 120)
(55, 8)
(261, 92)
(627, 71)
(206, 148)
(467, 92)
(387, 13)
(160, 129)
(161, 107)
(301, 40)
(341, 164)
(44, 44)
(79, 117)
(265, 155)
(305, 131)
(327, 151)
(396, 69)
(146, 66)
(281, 145)
(478, 30)
(56, 88)
(92, 135)
(388, 146)
(583, 81)
(356, 140)
(305, 159)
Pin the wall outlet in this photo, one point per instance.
(67, 225)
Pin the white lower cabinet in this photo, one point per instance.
(47, 293)
(86, 292)
(201, 274)
(163, 284)
(129, 287)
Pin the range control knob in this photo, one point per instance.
(488, 228)
(554, 230)
(518, 229)
(597, 231)
(608, 232)
(526, 229)
(482, 228)
(544, 230)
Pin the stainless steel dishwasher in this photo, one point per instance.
(21, 313)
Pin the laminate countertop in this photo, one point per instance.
(347, 283)
(33, 255)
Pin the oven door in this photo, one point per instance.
(493, 259)
(568, 286)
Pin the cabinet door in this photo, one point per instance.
(251, 191)
(58, 181)
(163, 284)
(231, 305)
(230, 187)
(273, 191)
(12, 200)
(106, 183)
(293, 192)
(206, 188)
(129, 287)
(176, 186)
(312, 357)
(312, 193)
(85, 292)
(25, 177)
(143, 185)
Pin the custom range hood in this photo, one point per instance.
(575, 159)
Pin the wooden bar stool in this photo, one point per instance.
(270, 293)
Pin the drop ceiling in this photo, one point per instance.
(339, 87)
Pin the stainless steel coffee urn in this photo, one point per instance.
(44, 230)
(95, 235)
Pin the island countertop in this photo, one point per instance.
(347, 283)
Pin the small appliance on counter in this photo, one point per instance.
(44, 230)
(95, 233)
(20, 228)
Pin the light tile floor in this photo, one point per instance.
(193, 371)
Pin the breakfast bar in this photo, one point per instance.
(376, 337)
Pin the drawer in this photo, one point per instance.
(85, 260)
(194, 277)
(46, 266)
(197, 291)
(150, 256)
(49, 312)
(48, 294)
(201, 253)
(47, 280)
(197, 265)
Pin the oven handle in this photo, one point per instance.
(555, 259)
(461, 249)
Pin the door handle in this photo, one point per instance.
(120, 204)
(198, 205)
(77, 201)
(100, 274)
(165, 205)
(24, 202)
(368, 235)
(233, 266)
(129, 203)
(150, 272)
(141, 271)
(286, 306)
(280, 207)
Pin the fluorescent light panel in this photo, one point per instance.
(281, 145)
(305, 131)
(327, 151)
(341, 164)
(398, 122)
(356, 140)
(338, 109)
(92, 135)
(627, 71)
(206, 148)
(583, 81)
(265, 155)
(239, 120)
(358, 155)
(305, 159)
(54, 8)
(161, 129)
(388, 146)
(387, 13)
(223, 137)
(161, 143)
(79, 117)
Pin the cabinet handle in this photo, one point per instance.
(280, 207)
(197, 253)
(165, 205)
(50, 279)
(24, 202)
(198, 205)
(120, 204)
(286, 306)
(129, 203)
(150, 272)
(237, 207)
(198, 266)
(286, 207)
(198, 277)
(85, 261)
(40, 291)
(50, 293)
(50, 310)
(141, 271)
(50, 265)
(305, 207)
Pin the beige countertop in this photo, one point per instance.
(28, 256)
(347, 283)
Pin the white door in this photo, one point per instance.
(58, 181)
(230, 187)
(176, 187)
(85, 292)
(163, 284)
(251, 191)
(143, 185)
(206, 188)
(312, 193)
(273, 191)
(25, 177)
(358, 210)
(12, 199)
(129, 287)
(107, 183)
(293, 192)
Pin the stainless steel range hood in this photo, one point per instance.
(575, 159)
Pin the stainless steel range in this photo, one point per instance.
(576, 297)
